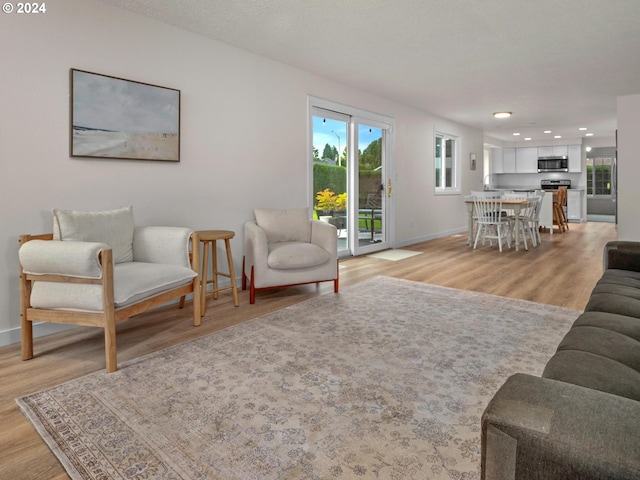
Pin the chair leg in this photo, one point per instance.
(110, 341)
(335, 286)
(252, 288)
(244, 275)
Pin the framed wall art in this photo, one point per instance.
(123, 119)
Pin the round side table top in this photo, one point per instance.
(210, 235)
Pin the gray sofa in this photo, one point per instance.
(581, 418)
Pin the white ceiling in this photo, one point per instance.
(556, 64)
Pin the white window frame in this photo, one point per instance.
(454, 189)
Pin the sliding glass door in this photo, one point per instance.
(349, 178)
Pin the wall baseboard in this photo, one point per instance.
(9, 337)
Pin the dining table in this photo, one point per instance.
(515, 204)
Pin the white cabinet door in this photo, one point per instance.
(546, 212)
(496, 160)
(574, 205)
(553, 151)
(560, 151)
(527, 160)
(575, 158)
(508, 160)
(545, 151)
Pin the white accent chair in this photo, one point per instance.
(284, 248)
(97, 269)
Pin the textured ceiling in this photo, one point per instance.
(556, 64)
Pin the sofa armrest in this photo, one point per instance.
(324, 235)
(256, 248)
(168, 245)
(622, 255)
(51, 257)
(541, 428)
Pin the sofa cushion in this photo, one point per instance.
(113, 227)
(133, 282)
(603, 342)
(290, 225)
(295, 255)
(621, 277)
(616, 300)
(594, 371)
(629, 326)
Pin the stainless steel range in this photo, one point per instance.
(554, 184)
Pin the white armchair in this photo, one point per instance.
(97, 269)
(284, 248)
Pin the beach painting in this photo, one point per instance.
(123, 119)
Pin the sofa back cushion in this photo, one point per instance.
(289, 225)
(113, 227)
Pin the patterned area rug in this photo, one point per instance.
(387, 380)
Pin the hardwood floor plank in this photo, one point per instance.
(561, 271)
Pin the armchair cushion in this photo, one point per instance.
(169, 245)
(77, 259)
(113, 227)
(132, 282)
(295, 255)
(289, 225)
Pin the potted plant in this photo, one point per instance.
(325, 204)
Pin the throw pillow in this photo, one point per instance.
(113, 227)
(289, 225)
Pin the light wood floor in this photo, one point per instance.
(561, 271)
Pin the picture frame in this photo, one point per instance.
(472, 165)
(115, 118)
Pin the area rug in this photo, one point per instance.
(394, 254)
(386, 380)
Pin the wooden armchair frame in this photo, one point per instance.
(110, 316)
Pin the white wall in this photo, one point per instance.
(244, 134)
(628, 167)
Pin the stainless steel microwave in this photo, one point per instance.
(553, 164)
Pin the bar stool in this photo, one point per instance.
(209, 237)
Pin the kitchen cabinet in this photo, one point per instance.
(545, 218)
(527, 160)
(574, 205)
(509, 160)
(553, 151)
(575, 158)
(496, 160)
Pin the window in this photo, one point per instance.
(599, 175)
(446, 163)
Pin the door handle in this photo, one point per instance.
(389, 188)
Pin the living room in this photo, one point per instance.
(244, 126)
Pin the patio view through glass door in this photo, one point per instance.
(348, 180)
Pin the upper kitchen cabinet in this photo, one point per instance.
(553, 151)
(496, 160)
(508, 160)
(575, 158)
(527, 160)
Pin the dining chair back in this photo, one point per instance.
(492, 223)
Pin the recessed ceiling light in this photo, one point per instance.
(547, 131)
(502, 114)
(515, 134)
(582, 128)
(527, 138)
(557, 136)
(588, 134)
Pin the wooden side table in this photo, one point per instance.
(209, 237)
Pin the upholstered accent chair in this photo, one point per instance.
(284, 248)
(98, 269)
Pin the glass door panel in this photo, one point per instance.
(330, 141)
(371, 188)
